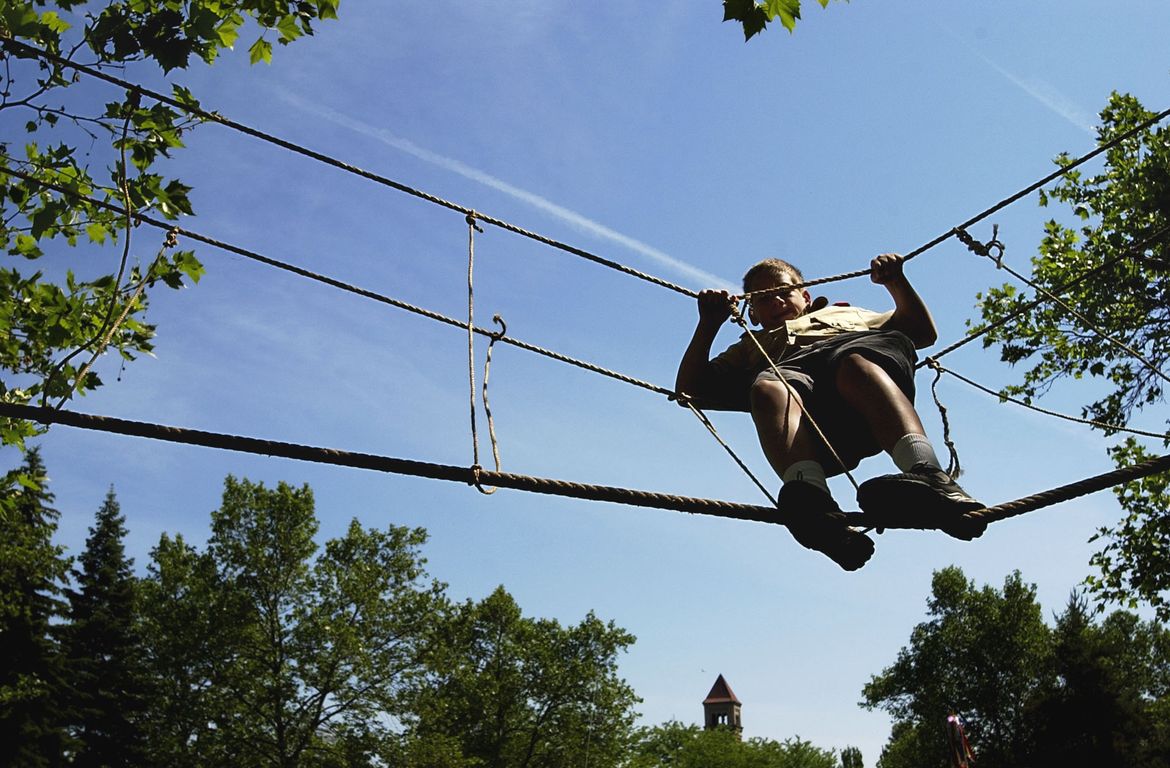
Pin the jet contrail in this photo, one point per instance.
(1041, 91)
(582, 223)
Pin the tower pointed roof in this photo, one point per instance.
(720, 692)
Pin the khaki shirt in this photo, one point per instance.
(743, 356)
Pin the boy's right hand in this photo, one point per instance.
(714, 306)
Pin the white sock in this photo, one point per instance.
(914, 449)
(808, 472)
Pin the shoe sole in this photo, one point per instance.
(907, 503)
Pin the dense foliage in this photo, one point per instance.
(86, 144)
(1080, 693)
(1112, 267)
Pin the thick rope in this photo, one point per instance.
(534, 484)
(215, 117)
(394, 465)
(302, 272)
(1073, 490)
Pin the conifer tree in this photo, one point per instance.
(103, 652)
(33, 569)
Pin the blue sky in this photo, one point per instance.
(653, 135)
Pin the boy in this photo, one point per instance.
(853, 371)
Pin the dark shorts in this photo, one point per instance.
(812, 373)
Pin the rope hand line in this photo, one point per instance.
(215, 117)
(1134, 250)
(995, 245)
(315, 276)
(471, 216)
(535, 484)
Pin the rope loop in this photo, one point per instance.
(476, 480)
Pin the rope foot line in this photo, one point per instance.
(466, 475)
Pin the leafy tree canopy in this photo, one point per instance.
(688, 746)
(56, 321)
(1111, 264)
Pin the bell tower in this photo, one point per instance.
(721, 708)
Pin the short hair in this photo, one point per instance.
(776, 268)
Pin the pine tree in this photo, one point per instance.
(103, 649)
(31, 572)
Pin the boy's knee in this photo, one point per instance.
(769, 394)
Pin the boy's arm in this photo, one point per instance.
(714, 309)
(911, 315)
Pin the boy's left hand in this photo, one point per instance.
(886, 268)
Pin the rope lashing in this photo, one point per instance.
(954, 469)
(616, 495)
(333, 282)
(216, 117)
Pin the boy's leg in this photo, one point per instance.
(922, 490)
(789, 444)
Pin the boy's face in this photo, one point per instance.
(779, 303)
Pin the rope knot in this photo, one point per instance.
(471, 222)
(992, 249)
(172, 238)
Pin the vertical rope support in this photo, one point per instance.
(954, 469)
(476, 468)
(487, 408)
(738, 316)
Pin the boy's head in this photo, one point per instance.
(771, 308)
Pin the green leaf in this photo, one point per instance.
(26, 246)
(261, 50)
(288, 28)
(97, 232)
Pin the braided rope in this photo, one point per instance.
(215, 117)
(385, 181)
(393, 465)
(1133, 250)
(935, 365)
(985, 249)
(302, 272)
(706, 422)
(1073, 490)
(472, 228)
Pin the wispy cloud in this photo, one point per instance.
(1040, 90)
(578, 221)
